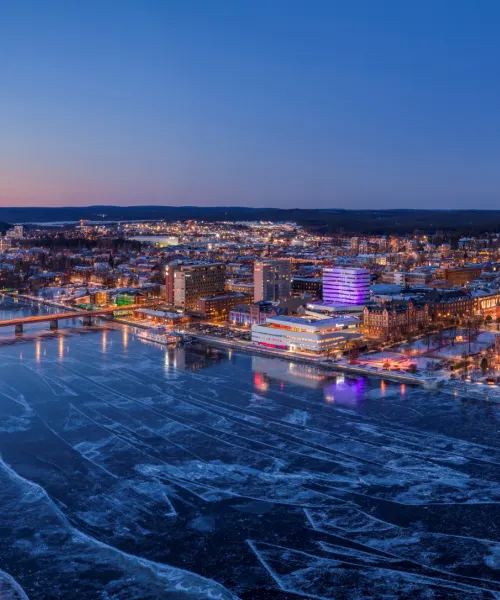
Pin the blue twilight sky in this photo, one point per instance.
(311, 103)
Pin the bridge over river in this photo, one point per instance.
(53, 320)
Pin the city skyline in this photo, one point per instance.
(290, 105)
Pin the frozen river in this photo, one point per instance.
(133, 472)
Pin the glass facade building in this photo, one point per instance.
(346, 286)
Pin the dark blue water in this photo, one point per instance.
(129, 471)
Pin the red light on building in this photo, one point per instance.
(267, 345)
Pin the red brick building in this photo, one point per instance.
(394, 318)
(449, 304)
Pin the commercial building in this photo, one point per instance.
(198, 281)
(487, 303)
(244, 287)
(217, 308)
(161, 317)
(323, 309)
(346, 286)
(311, 285)
(407, 279)
(297, 334)
(250, 314)
(448, 304)
(128, 298)
(394, 318)
(462, 275)
(125, 296)
(169, 281)
(272, 280)
(99, 298)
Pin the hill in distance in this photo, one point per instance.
(326, 220)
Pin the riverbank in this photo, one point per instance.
(448, 386)
(323, 363)
(456, 388)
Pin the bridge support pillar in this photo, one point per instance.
(19, 328)
(87, 320)
(54, 325)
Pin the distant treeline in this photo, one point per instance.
(466, 222)
(61, 242)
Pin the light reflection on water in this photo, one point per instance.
(335, 387)
(125, 334)
(162, 453)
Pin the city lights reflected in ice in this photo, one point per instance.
(127, 464)
(125, 337)
(290, 372)
(329, 397)
(342, 391)
(38, 350)
(260, 383)
(104, 342)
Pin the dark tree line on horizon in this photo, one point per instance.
(62, 242)
(395, 221)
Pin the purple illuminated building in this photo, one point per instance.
(346, 286)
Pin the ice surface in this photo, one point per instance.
(142, 473)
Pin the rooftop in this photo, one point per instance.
(308, 322)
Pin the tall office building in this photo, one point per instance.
(272, 280)
(197, 281)
(169, 281)
(346, 286)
